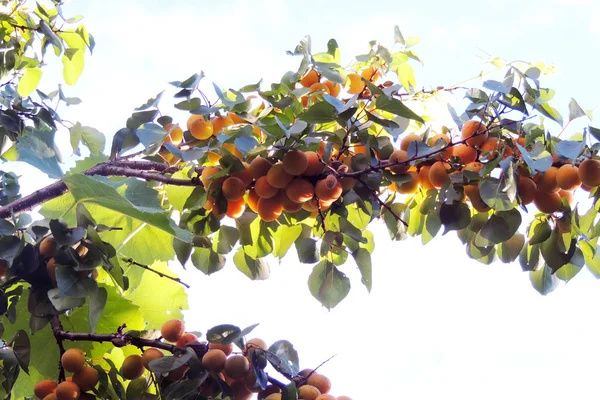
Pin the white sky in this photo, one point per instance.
(437, 324)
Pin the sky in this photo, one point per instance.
(437, 324)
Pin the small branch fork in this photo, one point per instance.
(162, 275)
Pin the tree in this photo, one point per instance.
(307, 163)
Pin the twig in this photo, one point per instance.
(276, 382)
(383, 203)
(132, 262)
(56, 326)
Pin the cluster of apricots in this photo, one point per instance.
(48, 247)
(84, 378)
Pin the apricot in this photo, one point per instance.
(277, 177)
(329, 189)
(230, 147)
(233, 188)
(48, 247)
(476, 131)
(235, 208)
(411, 186)
(318, 87)
(567, 177)
(51, 396)
(244, 175)
(334, 88)
(310, 78)
(492, 146)
(175, 134)
(193, 118)
(236, 118)
(313, 206)
(438, 174)
(343, 398)
(314, 164)
(269, 390)
(355, 84)
(300, 190)
(240, 391)
(214, 360)
(227, 349)
(178, 373)
(308, 392)
(207, 173)
(250, 381)
(86, 378)
(399, 156)
(151, 354)
(172, 330)
(201, 129)
(589, 172)
(288, 204)
(295, 162)
(187, 337)
(319, 381)
(472, 192)
(435, 138)
(568, 195)
(269, 209)
(67, 391)
(133, 367)
(274, 396)
(253, 344)
(325, 396)
(465, 153)
(51, 266)
(221, 122)
(259, 167)
(72, 360)
(546, 182)
(547, 202)
(252, 200)
(408, 139)
(474, 166)
(44, 388)
(424, 177)
(264, 189)
(236, 366)
(526, 188)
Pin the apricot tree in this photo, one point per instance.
(307, 163)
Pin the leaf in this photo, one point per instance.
(285, 237)
(543, 280)
(406, 75)
(307, 250)
(454, 216)
(570, 149)
(287, 357)
(207, 260)
(575, 111)
(319, 113)
(509, 250)
(396, 107)
(219, 334)
(255, 269)
(180, 389)
(363, 260)
(93, 139)
(225, 239)
(97, 303)
(73, 63)
(22, 347)
(29, 81)
(328, 284)
(37, 149)
(493, 194)
(432, 226)
(168, 363)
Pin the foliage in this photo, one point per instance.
(304, 165)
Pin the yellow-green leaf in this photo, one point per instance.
(29, 81)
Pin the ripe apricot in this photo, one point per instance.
(227, 349)
(567, 177)
(491, 147)
(264, 189)
(221, 122)
(308, 392)
(424, 177)
(230, 147)
(408, 139)
(51, 396)
(325, 396)
(411, 186)
(133, 367)
(214, 360)
(313, 206)
(466, 153)
(568, 195)
(277, 177)
(435, 138)
(51, 269)
(44, 388)
(252, 200)
(236, 118)
(287, 204)
(172, 330)
(274, 396)
(547, 202)
(314, 166)
(253, 344)
(589, 172)
(472, 192)
(474, 166)
(310, 78)
(343, 398)
(187, 337)
(86, 378)
(355, 84)
(319, 381)
(471, 128)
(175, 134)
(151, 354)
(236, 366)
(295, 162)
(269, 209)
(318, 87)
(300, 190)
(201, 129)
(244, 175)
(207, 173)
(235, 208)
(240, 391)
(438, 174)
(250, 381)
(67, 391)
(399, 156)
(334, 88)
(259, 167)
(329, 189)
(546, 182)
(48, 247)
(270, 389)
(526, 188)
(193, 118)
(233, 188)
(73, 360)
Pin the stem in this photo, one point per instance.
(130, 261)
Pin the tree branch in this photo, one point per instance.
(131, 261)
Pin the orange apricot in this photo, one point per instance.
(178, 373)
(328, 189)
(264, 189)
(237, 366)
(72, 360)
(308, 392)
(67, 391)
(277, 177)
(221, 122)
(589, 172)
(472, 192)
(567, 177)
(568, 195)
(86, 378)
(227, 348)
(319, 381)
(547, 202)
(230, 147)
(399, 156)
(207, 173)
(44, 388)
(269, 209)
(233, 188)
(438, 174)
(51, 266)
(325, 396)
(526, 188)
(244, 174)
(150, 354)
(310, 78)
(253, 344)
(259, 167)
(334, 88)
(270, 389)
(214, 360)
(406, 140)
(240, 391)
(175, 134)
(201, 129)
(435, 138)
(133, 367)
(288, 204)
(474, 166)
(465, 153)
(252, 200)
(172, 330)
(476, 131)
(546, 182)
(314, 164)
(318, 87)
(355, 84)
(343, 398)
(411, 186)
(235, 208)
(48, 247)
(424, 177)
(295, 162)
(187, 337)
(300, 190)
(193, 118)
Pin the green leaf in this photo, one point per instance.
(328, 284)
(178, 195)
(285, 237)
(363, 260)
(509, 250)
(575, 111)
(207, 261)
(406, 75)
(93, 139)
(97, 303)
(225, 239)
(591, 257)
(529, 258)
(539, 231)
(73, 63)
(29, 81)
(395, 106)
(319, 113)
(432, 227)
(37, 149)
(21, 345)
(543, 280)
(493, 194)
(307, 250)
(255, 269)
(453, 216)
(287, 356)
